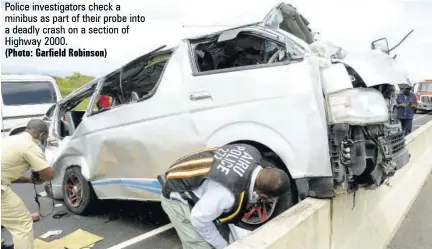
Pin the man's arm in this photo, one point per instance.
(399, 102)
(36, 158)
(398, 99)
(210, 206)
(46, 174)
(23, 179)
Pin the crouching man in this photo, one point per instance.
(19, 154)
(213, 186)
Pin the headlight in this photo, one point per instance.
(357, 106)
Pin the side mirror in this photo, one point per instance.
(381, 44)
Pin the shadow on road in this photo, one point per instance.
(114, 220)
(131, 212)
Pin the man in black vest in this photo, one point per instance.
(214, 185)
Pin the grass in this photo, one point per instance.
(70, 83)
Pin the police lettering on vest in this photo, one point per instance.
(231, 166)
(236, 159)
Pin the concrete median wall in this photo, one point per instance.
(378, 213)
(336, 224)
(306, 225)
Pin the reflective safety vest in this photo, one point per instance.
(231, 166)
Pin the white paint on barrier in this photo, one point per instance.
(142, 237)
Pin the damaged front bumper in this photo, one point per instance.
(393, 154)
(394, 144)
(375, 154)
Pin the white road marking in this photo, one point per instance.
(422, 116)
(142, 237)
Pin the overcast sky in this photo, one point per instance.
(348, 23)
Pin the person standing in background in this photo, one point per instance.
(406, 104)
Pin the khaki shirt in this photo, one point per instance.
(20, 153)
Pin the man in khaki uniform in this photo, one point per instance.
(19, 154)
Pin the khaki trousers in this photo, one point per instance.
(16, 219)
(179, 215)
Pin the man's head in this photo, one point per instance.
(37, 129)
(407, 90)
(272, 182)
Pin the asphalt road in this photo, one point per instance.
(116, 222)
(120, 221)
(421, 119)
(416, 229)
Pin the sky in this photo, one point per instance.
(352, 24)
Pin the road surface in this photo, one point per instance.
(132, 223)
(416, 229)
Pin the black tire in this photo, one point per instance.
(88, 197)
(286, 201)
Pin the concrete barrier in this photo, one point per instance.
(335, 224)
(306, 225)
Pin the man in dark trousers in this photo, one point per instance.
(213, 186)
(406, 104)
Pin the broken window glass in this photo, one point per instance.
(140, 78)
(245, 49)
(109, 93)
(72, 111)
(287, 18)
(295, 23)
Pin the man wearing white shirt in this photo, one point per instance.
(214, 185)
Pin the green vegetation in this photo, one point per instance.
(70, 83)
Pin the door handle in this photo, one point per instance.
(200, 95)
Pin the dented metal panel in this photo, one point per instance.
(140, 139)
(335, 78)
(376, 67)
(278, 105)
